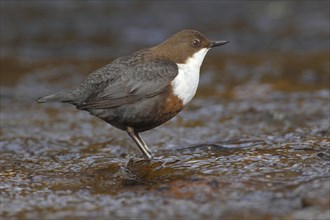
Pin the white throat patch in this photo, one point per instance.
(186, 82)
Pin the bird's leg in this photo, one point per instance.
(140, 143)
(144, 143)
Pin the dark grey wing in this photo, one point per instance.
(136, 82)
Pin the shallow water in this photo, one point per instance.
(253, 143)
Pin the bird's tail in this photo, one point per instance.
(58, 97)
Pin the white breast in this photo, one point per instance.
(186, 82)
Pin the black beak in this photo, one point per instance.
(218, 43)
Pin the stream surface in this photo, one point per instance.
(252, 144)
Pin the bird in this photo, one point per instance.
(145, 89)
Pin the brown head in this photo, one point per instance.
(183, 45)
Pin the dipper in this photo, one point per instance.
(141, 91)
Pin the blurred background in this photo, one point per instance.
(89, 34)
(252, 144)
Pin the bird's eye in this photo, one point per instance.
(196, 43)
